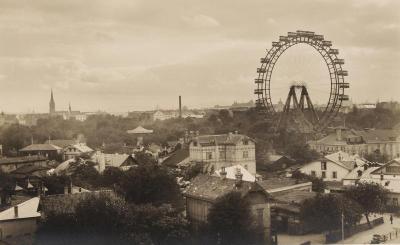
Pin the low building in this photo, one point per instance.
(178, 158)
(52, 152)
(10, 164)
(204, 190)
(333, 167)
(277, 162)
(224, 150)
(231, 172)
(19, 223)
(76, 150)
(104, 161)
(361, 142)
(62, 143)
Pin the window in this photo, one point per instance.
(222, 154)
(323, 165)
(313, 173)
(209, 155)
(245, 154)
(260, 216)
(334, 175)
(245, 142)
(323, 174)
(395, 201)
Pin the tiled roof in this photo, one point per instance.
(27, 209)
(210, 188)
(294, 196)
(229, 139)
(345, 159)
(275, 183)
(140, 130)
(41, 147)
(61, 143)
(25, 159)
(176, 157)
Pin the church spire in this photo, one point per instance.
(52, 104)
(69, 107)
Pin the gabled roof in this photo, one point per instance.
(176, 157)
(210, 188)
(221, 139)
(140, 130)
(110, 160)
(345, 160)
(231, 172)
(41, 147)
(24, 159)
(27, 209)
(394, 161)
(273, 184)
(63, 166)
(82, 147)
(294, 196)
(61, 143)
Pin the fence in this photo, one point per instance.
(348, 232)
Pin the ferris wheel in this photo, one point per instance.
(337, 75)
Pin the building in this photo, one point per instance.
(104, 161)
(333, 167)
(10, 164)
(204, 190)
(223, 150)
(61, 142)
(231, 172)
(361, 142)
(19, 223)
(52, 152)
(76, 150)
(164, 115)
(52, 104)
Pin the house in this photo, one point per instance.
(52, 152)
(333, 167)
(62, 143)
(10, 164)
(76, 150)
(387, 176)
(19, 223)
(361, 142)
(178, 158)
(140, 132)
(224, 150)
(122, 161)
(204, 190)
(278, 162)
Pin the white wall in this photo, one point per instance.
(330, 168)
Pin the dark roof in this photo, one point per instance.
(176, 157)
(41, 147)
(221, 139)
(368, 135)
(61, 143)
(28, 169)
(274, 183)
(294, 196)
(25, 159)
(210, 188)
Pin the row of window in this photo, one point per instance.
(323, 174)
(222, 155)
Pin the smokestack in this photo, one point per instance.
(180, 107)
(16, 211)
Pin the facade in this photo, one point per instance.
(333, 167)
(10, 164)
(205, 190)
(223, 150)
(50, 151)
(76, 150)
(361, 142)
(19, 222)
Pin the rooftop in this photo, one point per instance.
(231, 172)
(140, 130)
(62, 143)
(176, 157)
(221, 139)
(27, 209)
(41, 147)
(24, 159)
(272, 184)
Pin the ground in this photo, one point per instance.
(364, 237)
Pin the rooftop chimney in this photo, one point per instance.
(238, 176)
(16, 211)
(180, 106)
(223, 173)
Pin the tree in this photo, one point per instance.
(377, 156)
(150, 184)
(111, 176)
(230, 220)
(55, 184)
(318, 184)
(371, 197)
(324, 212)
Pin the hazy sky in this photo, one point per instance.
(134, 55)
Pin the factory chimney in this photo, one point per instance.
(180, 107)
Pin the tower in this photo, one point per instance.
(52, 104)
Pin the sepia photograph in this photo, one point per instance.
(188, 122)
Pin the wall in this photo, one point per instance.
(20, 227)
(330, 168)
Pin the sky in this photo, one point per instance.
(125, 55)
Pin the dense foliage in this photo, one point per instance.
(324, 212)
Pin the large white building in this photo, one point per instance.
(333, 167)
(361, 142)
(224, 150)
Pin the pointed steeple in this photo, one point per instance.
(69, 107)
(52, 104)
